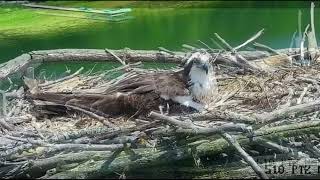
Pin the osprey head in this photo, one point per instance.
(200, 74)
(198, 62)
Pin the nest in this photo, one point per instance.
(266, 108)
(33, 141)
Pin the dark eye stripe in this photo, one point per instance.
(197, 60)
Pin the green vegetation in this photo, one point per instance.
(132, 4)
(17, 21)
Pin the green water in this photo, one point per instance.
(170, 28)
(57, 70)
(166, 27)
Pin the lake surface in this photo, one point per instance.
(170, 28)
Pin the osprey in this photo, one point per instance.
(146, 92)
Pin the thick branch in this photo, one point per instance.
(192, 128)
(245, 155)
(288, 111)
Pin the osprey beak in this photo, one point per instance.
(205, 67)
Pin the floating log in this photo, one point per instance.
(20, 63)
(77, 9)
(17, 64)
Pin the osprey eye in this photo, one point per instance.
(197, 61)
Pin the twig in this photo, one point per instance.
(100, 118)
(310, 80)
(18, 94)
(216, 57)
(224, 115)
(206, 45)
(232, 141)
(90, 132)
(244, 61)
(302, 43)
(290, 95)
(277, 147)
(288, 111)
(91, 70)
(82, 109)
(292, 40)
(125, 131)
(5, 125)
(266, 47)
(312, 40)
(217, 44)
(305, 89)
(229, 48)
(29, 140)
(11, 85)
(132, 138)
(83, 147)
(17, 149)
(192, 128)
(120, 60)
(189, 47)
(314, 149)
(50, 83)
(3, 104)
(40, 166)
(254, 37)
(3, 114)
(166, 50)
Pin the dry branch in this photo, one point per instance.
(300, 109)
(262, 46)
(192, 128)
(50, 83)
(166, 50)
(312, 40)
(224, 42)
(150, 156)
(245, 156)
(224, 115)
(83, 147)
(254, 37)
(35, 58)
(120, 60)
(302, 43)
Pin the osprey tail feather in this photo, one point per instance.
(59, 102)
(103, 105)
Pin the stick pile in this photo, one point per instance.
(266, 107)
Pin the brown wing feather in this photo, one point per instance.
(164, 83)
(171, 85)
(140, 93)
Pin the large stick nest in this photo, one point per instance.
(261, 100)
